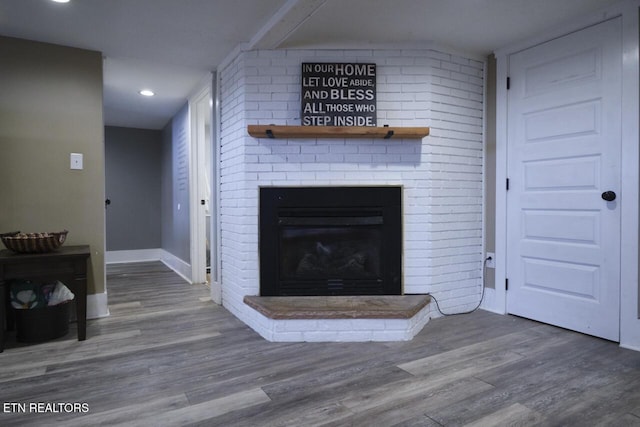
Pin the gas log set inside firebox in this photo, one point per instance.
(314, 256)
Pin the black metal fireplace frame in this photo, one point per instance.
(277, 204)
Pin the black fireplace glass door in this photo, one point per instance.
(330, 241)
(325, 253)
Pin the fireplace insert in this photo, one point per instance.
(330, 241)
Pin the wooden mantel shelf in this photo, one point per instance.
(280, 131)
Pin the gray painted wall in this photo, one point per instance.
(175, 186)
(490, 168)
(133, 176)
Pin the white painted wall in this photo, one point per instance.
(441, 175)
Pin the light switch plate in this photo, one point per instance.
(76, 161)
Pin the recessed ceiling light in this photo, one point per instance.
(61, 1)
(146, 92)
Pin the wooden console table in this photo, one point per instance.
(67, 264)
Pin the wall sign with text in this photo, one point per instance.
(338, 94)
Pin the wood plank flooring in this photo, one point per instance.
(167, 356)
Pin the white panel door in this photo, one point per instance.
(564, 151)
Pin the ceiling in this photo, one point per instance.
(171, 46)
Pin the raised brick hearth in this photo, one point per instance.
(342, 318)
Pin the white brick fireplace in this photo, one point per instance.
(440, 175)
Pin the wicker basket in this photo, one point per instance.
(33, 242)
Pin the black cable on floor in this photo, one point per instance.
(484, 274)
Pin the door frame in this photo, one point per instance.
(630, 167)
(197, 186)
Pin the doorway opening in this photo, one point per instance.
(203, 253)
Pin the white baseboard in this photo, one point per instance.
(138, 255)
(97, 306)
(182, 268)
(630, 347)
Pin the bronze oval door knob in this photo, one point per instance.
(609, 196)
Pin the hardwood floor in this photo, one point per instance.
(169, 356)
